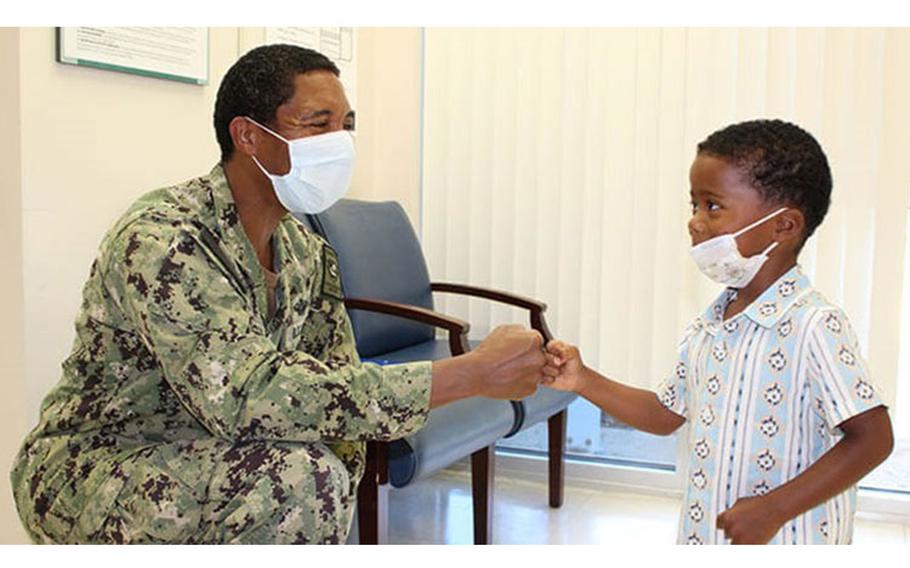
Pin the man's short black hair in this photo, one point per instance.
(258, 83)
(782, 161)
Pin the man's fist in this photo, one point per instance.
(514, 359)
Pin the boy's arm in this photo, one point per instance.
(636, 407)
(867, 441)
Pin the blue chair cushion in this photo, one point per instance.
(452, 431)
(544, 403)
(427, 351)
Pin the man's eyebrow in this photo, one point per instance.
(317, 114)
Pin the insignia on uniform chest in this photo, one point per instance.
(331, 276)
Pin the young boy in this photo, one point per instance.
(783, 417)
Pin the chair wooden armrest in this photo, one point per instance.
(535, 307)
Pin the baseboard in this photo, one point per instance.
(591, 474)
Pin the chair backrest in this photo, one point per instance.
(380, 258)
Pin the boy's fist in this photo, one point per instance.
(751, 520)
(564, 369)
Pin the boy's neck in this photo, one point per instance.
(773, 269)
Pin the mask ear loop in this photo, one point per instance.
(759, 222)
(276, 135)
(771, 247)
(270, 131)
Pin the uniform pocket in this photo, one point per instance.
(97, 504)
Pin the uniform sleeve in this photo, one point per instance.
(673, 390)
(840, 382)
(218, 359)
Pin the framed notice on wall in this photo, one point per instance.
(178, 54)
(338, 44)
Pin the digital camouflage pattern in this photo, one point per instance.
(184, 413)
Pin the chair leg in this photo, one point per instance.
(556, 429)
(372, 506)
(482, 467)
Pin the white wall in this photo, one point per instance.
(388, 118)
(88, 142)
(12, 352)
(92, 142)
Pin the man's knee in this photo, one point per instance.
(161, 499)
(266, 492)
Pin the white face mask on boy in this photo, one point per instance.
(720, 260)
(321, 169)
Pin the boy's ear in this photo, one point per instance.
(790, 225)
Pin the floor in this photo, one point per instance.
(438, 510)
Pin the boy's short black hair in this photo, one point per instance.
(782, 161)
(258, 83)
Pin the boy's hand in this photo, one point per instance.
(564, 369)
(751, 520)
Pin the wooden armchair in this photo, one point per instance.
(389, 298)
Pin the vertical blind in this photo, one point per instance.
(555, 165)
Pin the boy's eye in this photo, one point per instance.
(713, 206)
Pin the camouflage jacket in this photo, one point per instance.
(173, 342)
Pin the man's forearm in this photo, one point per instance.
(639, 408)
(455, 379)
(858, 453)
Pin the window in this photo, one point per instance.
(894, 474)
(592, 434)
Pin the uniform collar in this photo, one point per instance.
(769, 307)
(228, 217)
(235, 239)
(225, 208)
(232, 237)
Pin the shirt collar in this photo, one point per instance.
(770, 306)
(233, 238)
(232, 232)
(223, 200)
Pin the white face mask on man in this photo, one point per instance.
(720, 260)
(321, 170)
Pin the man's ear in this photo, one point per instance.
(789, 225)
(244, 135)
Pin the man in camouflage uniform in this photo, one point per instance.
(214, 393)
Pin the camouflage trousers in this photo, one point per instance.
(209, 491)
